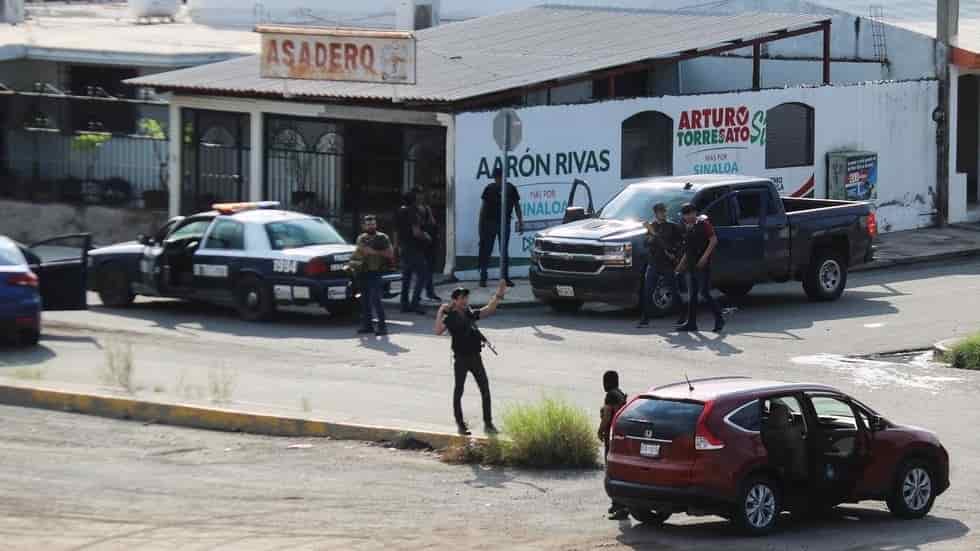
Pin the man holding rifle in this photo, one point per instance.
(663, 241)
(460, 320)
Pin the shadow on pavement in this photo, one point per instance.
(17, 356)
(848, 528)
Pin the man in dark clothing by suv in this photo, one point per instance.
(614, 401)
(490, 225)
(460, 320)
(663, 241)
(700, 242)
(412, 242)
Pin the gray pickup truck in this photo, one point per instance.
(601, 256)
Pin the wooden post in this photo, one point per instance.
(756, 66)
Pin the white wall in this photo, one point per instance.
(892, 119)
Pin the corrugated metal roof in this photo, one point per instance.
(490, 54)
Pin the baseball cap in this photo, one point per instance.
(688, 208)
(460, 292)
(660, 207)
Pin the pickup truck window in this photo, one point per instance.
(748, 206)
(636, 202)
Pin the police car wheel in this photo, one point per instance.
(254, 300)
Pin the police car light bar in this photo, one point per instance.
(232, 208)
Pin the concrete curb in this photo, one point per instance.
(942, 349)
(198, 417)
(882, 264)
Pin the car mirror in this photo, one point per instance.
(144, 240)
(876, 423)
(574, 214)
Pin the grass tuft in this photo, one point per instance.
(221, 383)
(966, 353)
(118, 367)
(549, 434)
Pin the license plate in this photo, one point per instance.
(337, 293)
(565, 291)
(649, 450)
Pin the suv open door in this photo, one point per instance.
(61, 265)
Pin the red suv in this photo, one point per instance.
(748, 450)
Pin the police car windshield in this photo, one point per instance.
(636, 202)
(304, 232)
(10, 254)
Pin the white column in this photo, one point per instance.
(176, 138)
(449, 120)
(256, 187)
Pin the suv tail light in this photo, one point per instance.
(703, 438)
(871, 223)
(316, 267)
(23, 280)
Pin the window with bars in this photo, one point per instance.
(789, 136)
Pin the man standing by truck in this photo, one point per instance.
(490, 225)
(663, 240)
(700, 242)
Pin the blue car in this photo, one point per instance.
(50, 275)
(253, 257)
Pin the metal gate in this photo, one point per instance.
(215, 162)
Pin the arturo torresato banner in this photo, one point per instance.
(338, 54)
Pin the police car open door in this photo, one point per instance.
(61, 265)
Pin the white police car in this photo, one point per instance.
(251, 256)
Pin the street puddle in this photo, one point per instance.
(916, 370)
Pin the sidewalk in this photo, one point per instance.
(891, 249)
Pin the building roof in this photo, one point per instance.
(107, 34)
(490, 54)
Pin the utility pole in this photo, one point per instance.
(947, 29)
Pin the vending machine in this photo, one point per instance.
(852, 175)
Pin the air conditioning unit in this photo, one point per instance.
(414, 15)
(149, 9)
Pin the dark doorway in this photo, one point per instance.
(215, 163)
(341, 170)
(968, 134)
(648, 146)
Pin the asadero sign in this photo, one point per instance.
(340, 55)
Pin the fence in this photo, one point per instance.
(84, 151)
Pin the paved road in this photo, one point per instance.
(69, 482)
(318, 364)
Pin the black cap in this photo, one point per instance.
(497, 172)
(369, 218)
(660, 207)
(688, 208)
(459, 292)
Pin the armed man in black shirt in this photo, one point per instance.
(664, 239)
(460, 320)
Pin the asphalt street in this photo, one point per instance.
(319, 366)
(70, 482)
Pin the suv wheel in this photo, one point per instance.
(114, 288)
(254, 300)
(914, 491)
(650, 518)
(758, 506)
(826, 276)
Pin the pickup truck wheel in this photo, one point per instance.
(253, 298)
(114, 288)
(566, 306)
(736, 291)
(826, 277)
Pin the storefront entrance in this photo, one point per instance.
(968, 137)
(341, 170)
(215, 160)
